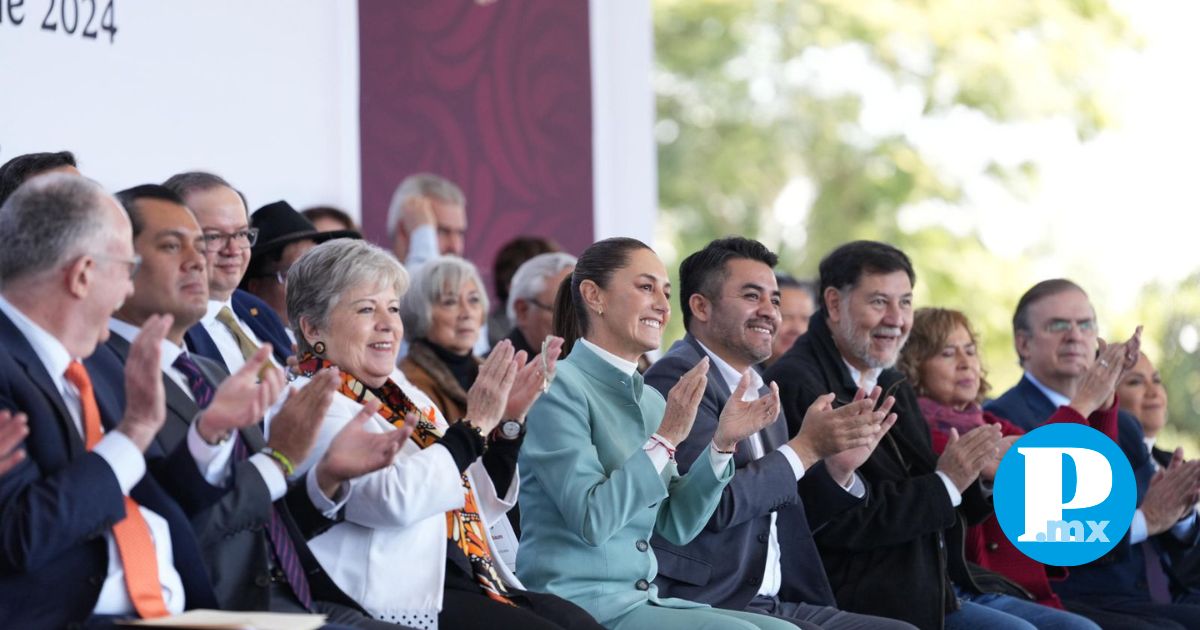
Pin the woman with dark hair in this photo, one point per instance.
(941, 360)
(597, 471)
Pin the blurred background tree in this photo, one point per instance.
(811, 123)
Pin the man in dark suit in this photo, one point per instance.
(251, 536)
(85, 534)
(236, 323)
(729, 300)
(1055, 334)
(901, 553)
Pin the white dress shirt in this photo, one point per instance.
(773, 572)
(128, 465)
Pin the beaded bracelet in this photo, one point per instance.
(282, 459)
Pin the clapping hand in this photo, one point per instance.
(826, 430)
(242, 399)
(965, 458)
(1172, 494)
(742, 418)
(487, 399)
(1099, 384)
(13, 429)
(355, 451)
(682, 402)
(531, 378)
(842, 465)
(294, 429)
(145, 397)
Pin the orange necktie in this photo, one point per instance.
(134, 544)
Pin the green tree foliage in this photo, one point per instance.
(816, 99)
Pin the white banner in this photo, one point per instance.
(263, 93)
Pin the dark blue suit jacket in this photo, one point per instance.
(1122, 572)
(723, 566)
(57, 503)
(258, 316)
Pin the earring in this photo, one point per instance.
(319, 347)
(600, 312)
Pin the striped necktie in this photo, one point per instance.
(286, 557)
(202, 390)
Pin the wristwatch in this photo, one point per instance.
(510, 430)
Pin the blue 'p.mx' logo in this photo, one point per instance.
(1065, 494)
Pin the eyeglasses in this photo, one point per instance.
(134, 263)
(1062, 326)
(216, 241)
(544, 307)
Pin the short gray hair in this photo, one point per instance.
(531, 277)
(47, 221)
(431, 282)
(323, 274)
(422, 185)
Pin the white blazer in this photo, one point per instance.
(389, 554)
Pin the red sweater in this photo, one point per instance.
(986, 543)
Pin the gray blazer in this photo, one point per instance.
(724, 565)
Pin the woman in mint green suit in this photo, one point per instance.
(597, 469)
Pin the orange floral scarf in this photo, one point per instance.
(465, 527)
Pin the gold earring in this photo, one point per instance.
(319, 347)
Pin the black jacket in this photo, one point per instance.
(895, 555)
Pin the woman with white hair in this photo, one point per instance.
(414, 547)
(443, 313)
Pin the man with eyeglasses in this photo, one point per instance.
(1055, 334)
(284, 235)
(94, 516)
(236, 323)
(531, 299)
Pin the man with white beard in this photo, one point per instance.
(900, 554)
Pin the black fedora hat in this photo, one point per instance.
(279, 225)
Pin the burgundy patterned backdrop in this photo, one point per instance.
(497, 97)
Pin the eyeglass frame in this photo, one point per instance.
(1064, 326)
(536, 302)
(212, 237)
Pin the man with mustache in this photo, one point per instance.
(900, 554)
(730, 305)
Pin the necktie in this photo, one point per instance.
(245, 343)
(286, 557)
(132, 535)
(1156, 578)
(202, 390)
